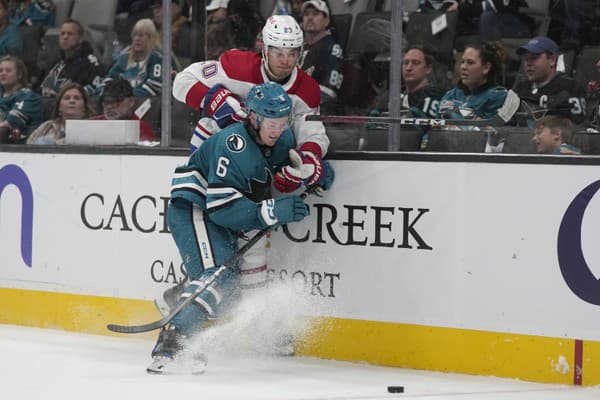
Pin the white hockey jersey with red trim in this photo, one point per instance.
(238, 71)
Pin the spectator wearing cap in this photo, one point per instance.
(118, 102)
(322, 55)
(544, 90)
(11, 41)
(216, 10)
(78, 63)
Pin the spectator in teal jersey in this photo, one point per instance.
(11, 41)
(20, 108)
(33, 12)
(477, 94)
(553, 134)
(141, 62)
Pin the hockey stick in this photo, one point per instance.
(200, 289)
(504, 114)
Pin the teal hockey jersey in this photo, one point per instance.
(230, 174)
(145, 77)
(22, 109)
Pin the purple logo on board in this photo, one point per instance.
(573, 266)
(13, 175)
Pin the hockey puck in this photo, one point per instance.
(395, 389)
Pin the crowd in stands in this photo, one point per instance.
(493, 52)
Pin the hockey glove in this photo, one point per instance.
(282, 210)
(305, 167)
(222, 106)
(326, 180)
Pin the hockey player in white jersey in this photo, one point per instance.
(215, 87)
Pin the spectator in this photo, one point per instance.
(78, 62)
(71, 103)
(141, 63)
(593, 101)
(438, 5)
(543, 90)
(33, 12)
(501, 18)
(216, 11)
(178, 21)
(497, 18)
(218, 39)
(477, 94)
(11, 41)
(118, 102)
(322, 55)
(246, 23)
(553, 134)
(296, 10)
(20, 108)
(567, 23)
(421, 97)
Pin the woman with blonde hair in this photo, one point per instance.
(71, 103)
(141, 62)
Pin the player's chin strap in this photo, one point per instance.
(207, 283)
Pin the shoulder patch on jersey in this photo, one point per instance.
(242, 65)
(235, 143)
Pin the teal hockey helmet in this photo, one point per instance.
(269, 100)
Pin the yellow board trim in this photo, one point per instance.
(527, 357)
(73, 312)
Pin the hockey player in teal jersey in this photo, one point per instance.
(222, 191)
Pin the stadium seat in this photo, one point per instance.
(370, 33)
(63, 11)
(152, 116)
(585, 65)
(518, 141)
(183, 122)
(376, 139)
(32, 37)
(418, 32)
(589, 143)
(456, 141)
(370, 37)
(98, 20)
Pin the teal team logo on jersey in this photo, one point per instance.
(236, 143)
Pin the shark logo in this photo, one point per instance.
(13, 175)
(573, 266)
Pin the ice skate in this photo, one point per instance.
(171, 357)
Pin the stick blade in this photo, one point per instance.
(138, 328)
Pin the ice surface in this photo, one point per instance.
(51, 364)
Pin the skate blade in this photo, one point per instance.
(182, 366)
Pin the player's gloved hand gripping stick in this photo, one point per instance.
(232, 261)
